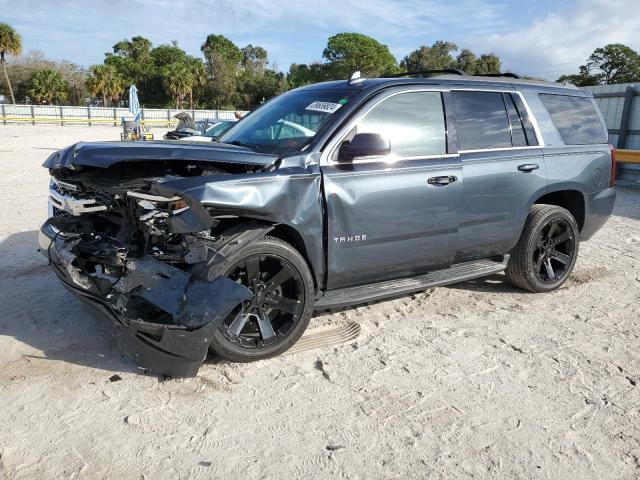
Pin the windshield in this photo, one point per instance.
(218, 129)
(288, 122)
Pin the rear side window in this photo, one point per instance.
(575, 118)
(481, 120)
(413, 122)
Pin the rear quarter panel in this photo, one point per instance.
(584, 168)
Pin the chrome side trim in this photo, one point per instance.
(390, 162)
(499, 149)
(332, 145)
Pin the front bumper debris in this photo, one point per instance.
(185, 311)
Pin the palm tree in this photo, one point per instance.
(105, 81)
(46, 85)
(177, 81)
(198, 71)
(11, 43)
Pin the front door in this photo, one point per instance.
(393, 216)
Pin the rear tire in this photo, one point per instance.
(260, 329)
(547, 250)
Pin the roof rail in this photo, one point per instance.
(505, 74)
(454, 71)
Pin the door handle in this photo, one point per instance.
(528, 167)
(442, 181)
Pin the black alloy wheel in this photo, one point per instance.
(280, 308)
(546, 253)
(276, 306)
(554, 251)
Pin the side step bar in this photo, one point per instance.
(394, 288)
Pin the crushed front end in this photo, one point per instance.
(139, 258)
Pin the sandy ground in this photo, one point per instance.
(477, 380)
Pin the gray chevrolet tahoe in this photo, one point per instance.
(327, 196)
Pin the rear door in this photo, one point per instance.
(397, 215)
(503, 169)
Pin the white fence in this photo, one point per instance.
(63, 115)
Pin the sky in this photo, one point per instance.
(541, 38)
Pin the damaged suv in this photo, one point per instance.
(327, 196)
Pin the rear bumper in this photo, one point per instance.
(174, 350)
(598, 209)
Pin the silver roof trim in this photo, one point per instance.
(509, 80)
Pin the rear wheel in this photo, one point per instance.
(281, 307)
(547, 250)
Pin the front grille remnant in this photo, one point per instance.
(72, 205)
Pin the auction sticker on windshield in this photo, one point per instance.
(326, 107)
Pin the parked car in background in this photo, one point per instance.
(187, 127)
(329, 195)
(205, 124)
(284, 129)
(212, 132)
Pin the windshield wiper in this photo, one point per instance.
(243, 144)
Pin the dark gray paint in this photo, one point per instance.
(289, 196)
(410, 226)
(105, 154)
(389, 220)
(496, 198)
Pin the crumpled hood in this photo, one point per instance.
(105, 154)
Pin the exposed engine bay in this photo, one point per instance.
(143, 259)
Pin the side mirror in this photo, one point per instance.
(364, 145)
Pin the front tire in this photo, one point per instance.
(547, 250)
(282, 305)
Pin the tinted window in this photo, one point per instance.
(576, 119)
(481, 120)
(413, 122)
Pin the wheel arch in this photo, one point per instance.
(569, 199)
(290, 235)
(248, 230)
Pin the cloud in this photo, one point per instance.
(396, 18)
(561, 41)
(292, 23)
(540, 37)
(403, 25)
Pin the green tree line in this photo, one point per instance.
(613, 63)
(228, 76)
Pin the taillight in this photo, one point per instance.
(612, 182)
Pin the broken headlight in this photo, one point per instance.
(155, 211)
